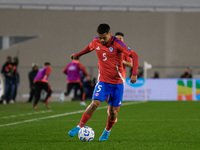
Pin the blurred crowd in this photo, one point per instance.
(12, 80)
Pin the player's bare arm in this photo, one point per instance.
(128, 64)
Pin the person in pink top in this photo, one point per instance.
(72, 70)
(41, 83)
(109, 50)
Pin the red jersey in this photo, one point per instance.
(110, 60)
(128, 59)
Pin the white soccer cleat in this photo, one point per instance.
(83, 104)
(4, 102)
(62, 97)
(12, 101)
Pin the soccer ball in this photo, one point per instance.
(86, 134)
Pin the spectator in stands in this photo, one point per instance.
(187, 73)
(156, 74)
(32, 74)
(9, 70)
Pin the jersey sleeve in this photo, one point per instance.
(87, 49)
(135, 59)
(48, 71)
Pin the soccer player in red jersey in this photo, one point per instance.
(126, 62)
(109, 51)
(126, 59)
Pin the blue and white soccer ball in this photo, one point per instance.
(86, 134)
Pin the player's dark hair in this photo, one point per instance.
(75, 58)
(103, 28)
(47, 64)
(119, 33)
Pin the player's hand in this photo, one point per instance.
(73, 56)
(133, 79)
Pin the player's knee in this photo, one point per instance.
(94, 105)
(113, 112)
(50, 92)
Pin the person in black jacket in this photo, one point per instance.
(9, 70)
(31, 77)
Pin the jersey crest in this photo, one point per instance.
(111, 49)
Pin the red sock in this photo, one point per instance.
(83, 97)
(84, 120)
(118, 109)
(110, 123)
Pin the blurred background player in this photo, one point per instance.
(31, 76)
(126, 62)
(109, 51)
(9, 70)
(17, 76)
(41, 83)
(73, 72)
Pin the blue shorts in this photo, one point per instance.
(114, 91)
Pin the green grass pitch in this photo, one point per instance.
(153, 125)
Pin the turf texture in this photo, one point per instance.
(153, 125)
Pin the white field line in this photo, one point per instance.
(65, 114)
(27, 114)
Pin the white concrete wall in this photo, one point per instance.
(136, 5)
(162, 39)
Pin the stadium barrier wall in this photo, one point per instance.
(162, 90)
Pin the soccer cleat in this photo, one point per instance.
(47, 105)
(104, 136)
(12, 101)
(35, 107)
(74, 131)
(62, 97)
(4, 102)
(83, 104)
